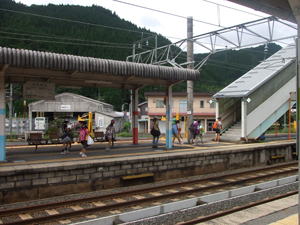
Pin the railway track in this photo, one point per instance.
(77, 210)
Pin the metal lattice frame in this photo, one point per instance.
(257, 32)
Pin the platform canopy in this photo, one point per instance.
(278, 8)
(21, 66)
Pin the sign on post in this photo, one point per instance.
(39, 91)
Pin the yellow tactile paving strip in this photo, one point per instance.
(291, 220)
(190, 148)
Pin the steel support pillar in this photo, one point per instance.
(169, 118)
(2, 117)
(295, 4)
(243, 119)
(190, 84)
(135, 117)
(217, 110)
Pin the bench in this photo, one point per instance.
(99, 136)
(36, 139)
(55, 139)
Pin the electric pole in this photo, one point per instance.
(190, 84)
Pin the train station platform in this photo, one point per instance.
(44, 173)
(20, 153)
(290, 220)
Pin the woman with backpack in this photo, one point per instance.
(199, 133)
(110, 132)
(155, 132)
(218, 128)
(175, 132)
(83, 136)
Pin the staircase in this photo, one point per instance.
(263, 95)
(232, 134)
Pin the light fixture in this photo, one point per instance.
(75, 87)
(147, 42)
(153, 100)
(98, 82)
(139, 45)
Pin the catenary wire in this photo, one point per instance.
(171, 14)
(60, 42)
(62, 38)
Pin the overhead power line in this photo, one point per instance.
(234, 9)
(171, 14)
(63, 38)
(61, 42)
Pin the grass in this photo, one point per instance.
(128, 134)
(283, 130)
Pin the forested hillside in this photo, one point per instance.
(97, 32)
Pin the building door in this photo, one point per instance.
(210, 124)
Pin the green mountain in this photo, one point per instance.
(98, 32)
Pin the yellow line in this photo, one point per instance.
(190, 148)
(138, 176)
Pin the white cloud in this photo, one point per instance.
(208, 16)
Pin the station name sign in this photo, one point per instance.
(39, 91)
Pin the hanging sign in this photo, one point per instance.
(39, 91)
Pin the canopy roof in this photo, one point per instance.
(278, 8)
(259, 75)
(21, 65)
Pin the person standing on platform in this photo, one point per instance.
(218, 130)
(110, 133)
(155, 132)
(191, 129)
(83, 136)
(200, 133)
(67, 139)
(175, 132)
(64, 126)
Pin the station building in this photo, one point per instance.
(70, 106)
(202, 109)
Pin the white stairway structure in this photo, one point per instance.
(252, 103)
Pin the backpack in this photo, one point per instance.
(174, 129)
(215, 126)
(191, 128)
(60, 132)
(82, 135)
(195, 128)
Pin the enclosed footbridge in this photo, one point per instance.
(252, 103)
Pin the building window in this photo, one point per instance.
(139, 109)
(146, 109)
(160, 104)
(182, 106)
(202, 104)
(213, 105)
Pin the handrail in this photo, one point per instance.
(230, 125)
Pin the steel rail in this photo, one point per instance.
(224, 213)
(119, 194)
(138, 201)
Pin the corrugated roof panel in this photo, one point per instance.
(253, 79)
(28, 58)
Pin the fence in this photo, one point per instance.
(20, 126)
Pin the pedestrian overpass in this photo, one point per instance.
(252, 103)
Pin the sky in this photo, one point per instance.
(208, 15)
